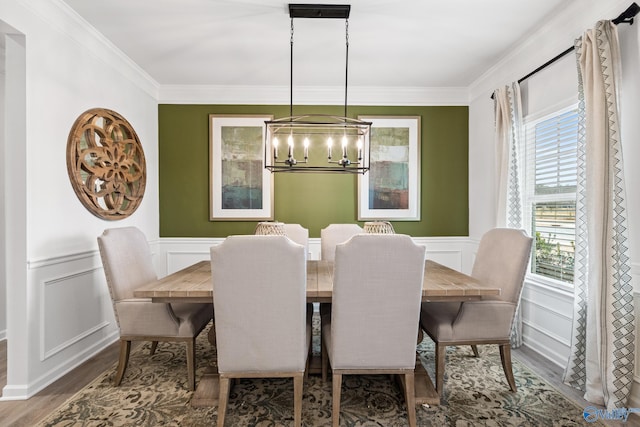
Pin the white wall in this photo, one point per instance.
(547, 310)
(3, 288)
(60, 311)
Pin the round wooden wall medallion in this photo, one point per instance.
(106, 164)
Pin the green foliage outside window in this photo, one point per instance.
(552, 260)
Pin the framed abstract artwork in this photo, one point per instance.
(391, 188)
(241, 187)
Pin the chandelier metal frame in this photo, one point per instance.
(351, 158)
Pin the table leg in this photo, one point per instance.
(208, 389)
(425, 391)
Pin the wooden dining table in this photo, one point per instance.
(193, 284)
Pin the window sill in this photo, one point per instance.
(538, 280)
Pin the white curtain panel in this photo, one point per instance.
(508, 137)
(603, 339)
(508, 114)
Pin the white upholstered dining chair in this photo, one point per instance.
(127, 263)
(330, 236)
(373, 324)
(501, 261)
(334, 234)
(263, 324)
(298, 234)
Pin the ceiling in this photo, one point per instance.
(409, 43)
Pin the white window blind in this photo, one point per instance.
(551, 153)
(555, 154)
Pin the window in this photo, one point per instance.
(550, 192)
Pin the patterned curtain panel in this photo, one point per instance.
(603, 340)
(508, 117)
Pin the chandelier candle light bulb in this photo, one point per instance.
(290, 146)
(344, 147)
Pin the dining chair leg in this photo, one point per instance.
(223, 398)
(505, 356)
(154, 345)
(474, 348)
(410, 397)
(308, 361)
(324, 360)
(337, 389)
(191, 364)
(298, 382)
(441, 352)
(125, 348)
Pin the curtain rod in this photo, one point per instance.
(625, 17)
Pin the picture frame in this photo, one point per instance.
(241, 189)
(391, 189)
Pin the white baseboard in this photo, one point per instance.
(23, 392)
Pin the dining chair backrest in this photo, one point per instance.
(502, 259)
(376, 302)
(259, 283)
(334, 234)
(298, 234)
(127, 261)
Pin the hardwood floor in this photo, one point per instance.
(28, 412)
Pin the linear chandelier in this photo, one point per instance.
(337, 144)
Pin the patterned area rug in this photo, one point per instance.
(153, 393)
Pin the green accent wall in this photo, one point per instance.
(313, 200)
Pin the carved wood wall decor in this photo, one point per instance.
(106, 164)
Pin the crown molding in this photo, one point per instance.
(279, 95)
(64, 19)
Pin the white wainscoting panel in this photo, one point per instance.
(315, 248)
(68, 308)
(178, 253)
(178, 260)
(547, 313)
(449, 258)
(73, 314)
(448, 251)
